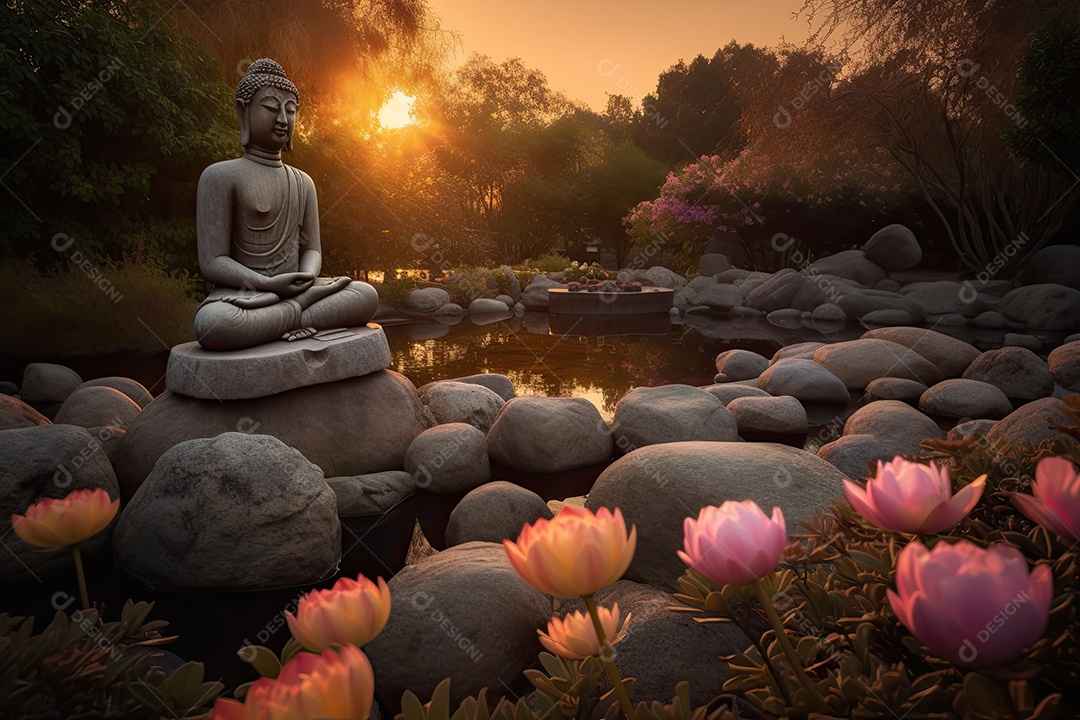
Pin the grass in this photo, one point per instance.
(87, 307)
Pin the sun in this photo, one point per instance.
(397, 111)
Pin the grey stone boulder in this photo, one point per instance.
(782, 415)
(828, 312)
(718, 297)
(993, 320)
(850, 264)
(370, 494)
(712, 264)
(235, 512)
(109, 439)
(889, 285)
(426, 300)
(659, 486)
(134, 390)
(860, 303)
(540, 434)
(893, 247)
(947, 320)
(450, 458)
(685, 297)
(1043, 307)
(1029, 423)
(890, 388)
(338, 425)
(1021, 340)
(48, 383)
(507, 300)
(656, 631)
(961, 398)
(894, 422)
(494, 512)
(785, 318)
(734, 275)
(460, 402)
(47, 461)
(535, 296)
(822, 290)
(887, 318)
(1056, 265)
(99, 406)
(856, 455)
(14, 413)
(487, 306)
(656, 276)
(1064, 364)
(1018, 372)
(800, 351)
(463, 614)
(670, 413)
(8, 388)
(776, 292)
(947, 296)
(726, 392)
(1071, 338)
(859, 362)
(949, 355)
(741, 364)
(449, 311)
(501, 384)
(805, 380)
(962, 430)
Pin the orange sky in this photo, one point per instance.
(591, 47)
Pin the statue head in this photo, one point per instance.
(266, 103)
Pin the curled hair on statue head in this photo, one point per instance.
(263, 72)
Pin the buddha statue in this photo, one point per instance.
(257, 221)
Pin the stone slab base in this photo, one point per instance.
(649, 301)
(276, 367)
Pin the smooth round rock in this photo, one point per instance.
(426, 299)
(47, 461)
(494, 512)
(1021, 340)
(1043, 307)
(1029, 423)
(941, 297)
(726, 392)
(488, 306)
(890, 388)
(1018, 372)
(850, 264)
(962, 398)
(670, 413)
(717, 297)
(800, 351)
(449, 311)
(860, 303)
(711, 264)
(134, 390)
(463, 614)
(109, 439)
(1064, 364)
(14, 413)
(460, 402)
(894, 248)
(506, 300)
(338, 425)
(535, 296)
(776, 292)
(234, 512)
(805, 380)
(741, 364)
(450, 458)
(99, 406)
(48, 383)
(962, 430)
(501, 384)
(782, 415)
(539, 434)
(856, 455)
(1056, 264)
(888, 318)
(828, 312)
(659, 486)
(859, 362)
(8, 388)
(892, 421)
(370, 494)
(949, 355)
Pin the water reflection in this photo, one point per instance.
(600, 368)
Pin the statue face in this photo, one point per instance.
(271, 118)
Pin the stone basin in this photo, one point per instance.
(650, 301)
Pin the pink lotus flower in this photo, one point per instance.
(1056, 501)
(574, 636)
(53, 524)
(574, 554)
(734, 543)
(332, 686)
(973, 606)
(351, 612)
(913, 498)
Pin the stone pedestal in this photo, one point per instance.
(278, 366)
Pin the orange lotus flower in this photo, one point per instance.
(332, 686)
(53, 524)
(351, 612)
(575, 554)
(574, 636)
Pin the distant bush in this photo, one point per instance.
(87, 307)
(467, 283)
(393, 290)
(545, 263)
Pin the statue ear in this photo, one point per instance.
(288, 143)
(245, 127)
